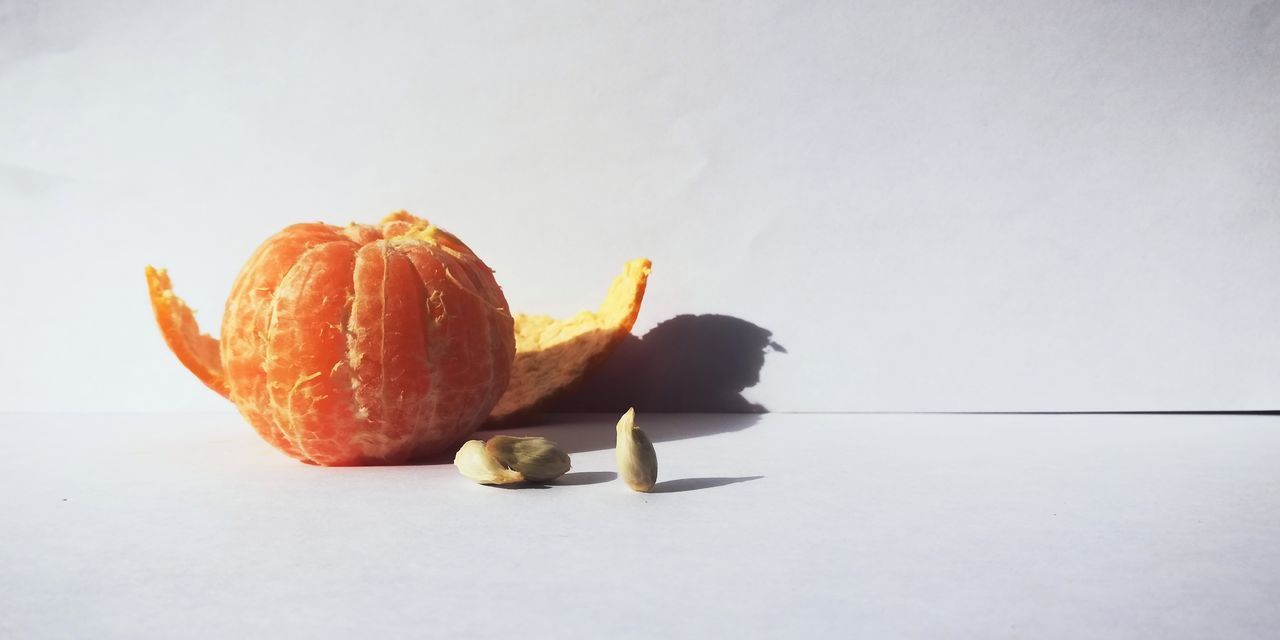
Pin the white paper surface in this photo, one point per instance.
(930, 206)
(778, 526)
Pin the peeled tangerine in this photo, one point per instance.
(370, 344)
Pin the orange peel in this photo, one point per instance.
(552, 355)
(198, 352)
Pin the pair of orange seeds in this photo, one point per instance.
(377, 344)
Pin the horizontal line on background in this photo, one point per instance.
(1250, 412)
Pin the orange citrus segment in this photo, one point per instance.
(552, 355)
(198, 352)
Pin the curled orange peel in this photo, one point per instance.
(197, 351)
(553, 355)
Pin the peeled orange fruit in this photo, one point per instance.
(356, 345)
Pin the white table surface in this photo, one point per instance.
(781, 525)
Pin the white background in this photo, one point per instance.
(932, 206)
